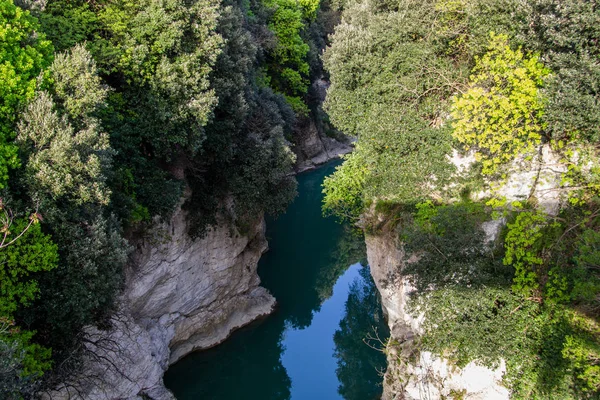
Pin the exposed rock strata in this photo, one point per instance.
(313, 147)
(180, 295)
(427, 376)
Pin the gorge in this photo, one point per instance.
(172, 224)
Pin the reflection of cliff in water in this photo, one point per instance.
(246, 366)
(290, 353)
(362, 329)
(300, 263)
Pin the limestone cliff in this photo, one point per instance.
(180, 295)
(312, 145)
(416, 374)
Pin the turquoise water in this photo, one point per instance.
(313, 346)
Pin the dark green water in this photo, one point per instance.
(312, 347)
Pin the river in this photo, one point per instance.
(321, 342)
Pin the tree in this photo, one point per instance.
(68, 154)
(24, 53)
(28, 252)
(33, 252)
(500, 115)
(21, 361)
(344, 189)
(566, 33)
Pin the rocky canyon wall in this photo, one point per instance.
(180, 295)
(416, 374)
(312, 145)
(411, 373)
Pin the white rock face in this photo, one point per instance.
(538, 177)
(430, 377)
(180, 295)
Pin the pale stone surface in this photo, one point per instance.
(180, 295)
(313, 147)
(127, 364)
(537, 178)
(492, 229)
(430, 377)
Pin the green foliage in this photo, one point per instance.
(584, 355)
(452, 248)
(158, 57)
(343, 189)
(32, 252)
(476, 324)
(393, 93)
(262, 181)
(24, 53)
(82, 290)
(289, 69)
(566, 33)
(523, 247)
(309, 8)
(25, 252)
(557, 286)
(67, 24)
(68, 154)
(500, 114)
(21, 361)
(142, 100)
(399, 73)
(476, 309)
(245, 153)
(298, 105)
(158, 49)
(425, 217)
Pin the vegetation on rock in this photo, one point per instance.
(108, 111)
(450, 100)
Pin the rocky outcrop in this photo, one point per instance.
(312, 148)
(181, 295)
(315, 144)
(536, 179)
(416, 374)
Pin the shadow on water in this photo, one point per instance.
(312, 346)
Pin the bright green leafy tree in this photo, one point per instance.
(24, 53)
(289, 68)
(500, 114)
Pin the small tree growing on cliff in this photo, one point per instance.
(500, 114)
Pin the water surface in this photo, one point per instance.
(313, 346)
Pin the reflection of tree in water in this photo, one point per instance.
(308, 272)
(350, 249)
(359, 365)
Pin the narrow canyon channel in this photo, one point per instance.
(318, 344)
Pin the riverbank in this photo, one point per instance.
(312, 345)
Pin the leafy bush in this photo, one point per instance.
(24, 53)
(500, 114)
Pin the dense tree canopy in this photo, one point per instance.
(23, 55)
(422, 84)
(108, 110)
